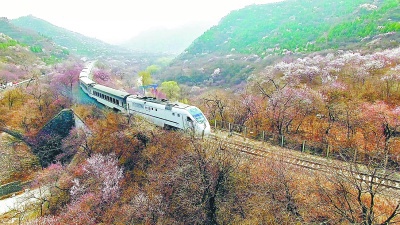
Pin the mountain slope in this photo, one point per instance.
(81, 45)
(299, 26)
(18, 62)
(255, 36)
(42, 46)
(73, 41)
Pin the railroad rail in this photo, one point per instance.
(387, 179)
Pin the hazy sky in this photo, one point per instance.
(114, 21)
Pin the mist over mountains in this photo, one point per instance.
(162, 40)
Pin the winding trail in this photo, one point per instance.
(18, 202)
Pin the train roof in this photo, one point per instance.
(86, 80)
(164, 102)
(112, 91)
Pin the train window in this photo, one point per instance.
(188, 119)
(173, 114)
(197, 114)
(179, 115)
(156, 109)
(117, 102)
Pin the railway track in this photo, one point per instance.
(388, 179)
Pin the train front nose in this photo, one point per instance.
(207, 130)
(203, 129)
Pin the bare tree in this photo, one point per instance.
(356, 194)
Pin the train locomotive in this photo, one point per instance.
(161, 112)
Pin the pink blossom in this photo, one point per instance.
(106, 172)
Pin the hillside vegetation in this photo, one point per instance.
(74, 42)
(300, 26)
(248, 39)
(42, 46)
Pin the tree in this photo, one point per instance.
(65, 78)
(203, 187)
(268, 81)
(359, 199)
(13, 97)
(216, 104)
(392, 79)
(380, 124)
(171, 89)
(145, 78)
(152, 69)
(107, 177)
(290, 104)
(278, 191)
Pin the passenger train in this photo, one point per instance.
(161, 112)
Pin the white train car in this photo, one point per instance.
(169, 114)
(110, 97)
(161, 112)
(86, 85)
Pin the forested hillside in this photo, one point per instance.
(18, 62)
(265, 33)
(38, 44)
(74, 42)
(81, 45)
(300, 26)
